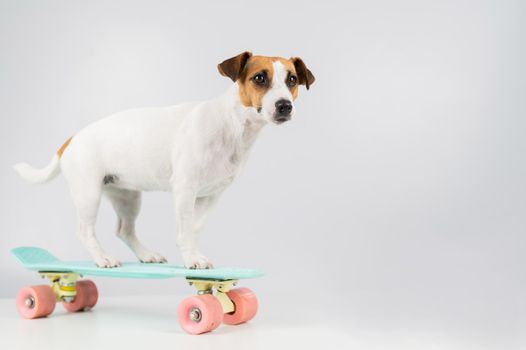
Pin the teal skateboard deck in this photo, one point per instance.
(38, 259)
(216, 302)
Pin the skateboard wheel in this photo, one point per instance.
(200, 314)
(86, 297)
(246, 306)
(35, 301)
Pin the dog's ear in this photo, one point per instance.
(233, 67)
(305, 76)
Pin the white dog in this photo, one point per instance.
(193, 150)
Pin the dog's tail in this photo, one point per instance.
(42, 175)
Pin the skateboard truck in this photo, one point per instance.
(221, 287)
(62, 284)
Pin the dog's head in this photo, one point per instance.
(268, 84)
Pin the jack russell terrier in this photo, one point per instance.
(193, 150)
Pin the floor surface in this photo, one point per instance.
(149, 322)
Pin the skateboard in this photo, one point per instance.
(216, 302)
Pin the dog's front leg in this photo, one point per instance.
(187, 235)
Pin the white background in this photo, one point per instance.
(395, 200)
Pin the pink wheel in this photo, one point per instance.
(35, 301)
(200, 314)
(86, 298)
(246, 306)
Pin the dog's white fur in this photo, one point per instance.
(194, 150)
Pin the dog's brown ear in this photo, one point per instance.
(305, 76)
(233, 67)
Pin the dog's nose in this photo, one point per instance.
(283, 108)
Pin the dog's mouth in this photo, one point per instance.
(281, 119)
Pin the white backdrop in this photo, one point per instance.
(396, 197)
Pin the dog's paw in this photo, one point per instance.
(196, 260)
(107, 261)
(151, 257)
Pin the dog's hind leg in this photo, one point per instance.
(127, 204)
(86, 198)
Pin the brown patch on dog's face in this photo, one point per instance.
(255, 81)
(292, 80)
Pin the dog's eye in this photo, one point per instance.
(259, 79)
(292, 80)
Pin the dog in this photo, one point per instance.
(193, 150)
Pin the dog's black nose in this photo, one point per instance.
(283, 108)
